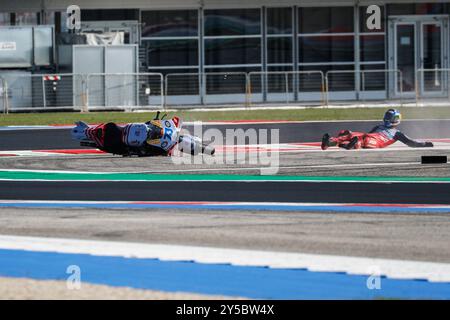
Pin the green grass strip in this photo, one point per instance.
(308, 114)
(55, 176)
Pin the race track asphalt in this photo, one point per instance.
(289, 132)
(391, 235)
(323, 192)
(424, 193)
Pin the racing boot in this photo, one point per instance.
(327, 142)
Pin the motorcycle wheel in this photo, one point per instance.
(206, 149)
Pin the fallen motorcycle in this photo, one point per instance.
(158, 137)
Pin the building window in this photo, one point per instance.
(279, 35)
(279, 21)
(26, 18)
(279, 50)
(372, 53)
(171, 39)
(232, 22)
(110, 15)
(232, 38)
(181, 52)
(416, 8)
(326, 42)
(170, 23)
(233, 51)
(372, 48)
(326, 20)
(58, 19)
(5, 19)
(326, 35)
(233, 47)
(326, 49)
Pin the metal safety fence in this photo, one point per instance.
(37, 92)
(364, 85)
(81, 92)
(432, 85)
(148, 91)
(286, 86)
(3, 95)
(125, 91)
(206, 88)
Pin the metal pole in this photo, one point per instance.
(287, 86)
(44, 97)
(248, 90)
(363, 85)
(161, 90)
(417, 87)
(5, 95)
(2, 88)
(401, 87)
(165, 90)
(264, 85)
(85, 89)
(204, 88)
(322, 88)
(136, 85)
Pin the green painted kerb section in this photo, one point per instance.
(55, 176)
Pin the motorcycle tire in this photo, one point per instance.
(206, 149)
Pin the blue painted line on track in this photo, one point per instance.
(243, 207)
(217, 279)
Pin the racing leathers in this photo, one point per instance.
(380, 136)
(156, 137)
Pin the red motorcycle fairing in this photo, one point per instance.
(365, 140)
(176, 122)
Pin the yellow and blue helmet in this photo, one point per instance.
(392, 118)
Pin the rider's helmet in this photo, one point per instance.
(392, 118)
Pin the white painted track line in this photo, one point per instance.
(395, 269)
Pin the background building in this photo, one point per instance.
(217, 36)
